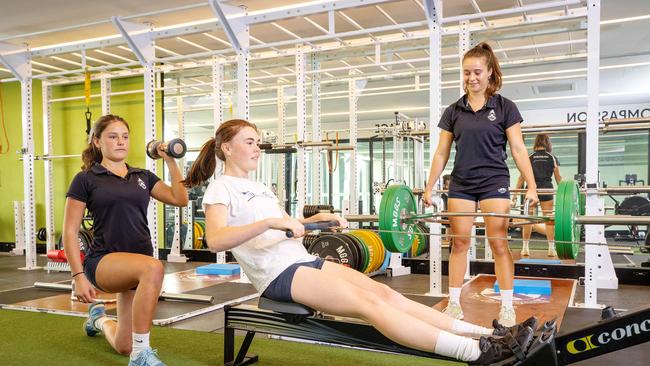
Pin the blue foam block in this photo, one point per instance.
(540, 261)
(218, 269)
(530, 287)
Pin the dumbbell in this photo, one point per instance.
(175, 148)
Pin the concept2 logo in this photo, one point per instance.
(592, 341)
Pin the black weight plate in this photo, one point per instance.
(355, 246)
(333, 248)
(364, 256)
(357, 260)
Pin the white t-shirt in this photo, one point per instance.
(265, 256)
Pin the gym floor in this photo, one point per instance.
(625, 297)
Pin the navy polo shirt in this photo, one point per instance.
(119, 208)
(543, 165)
(480, 139)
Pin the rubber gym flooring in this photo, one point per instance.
(207, 328)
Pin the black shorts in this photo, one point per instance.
(492, 187)
(545, 197)
(280, 288)
(478, 197)
(91, 262)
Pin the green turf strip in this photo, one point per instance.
(28, 338)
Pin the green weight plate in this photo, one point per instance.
(566, 215)
(422, 241)
(559, 228)
(397, 235)
(571, 211)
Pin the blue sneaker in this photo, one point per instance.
(95, 311)
(148, 357)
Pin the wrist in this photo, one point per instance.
(267, 224)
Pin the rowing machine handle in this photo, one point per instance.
(320, 225)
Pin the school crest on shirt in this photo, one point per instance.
(141, 184)
(492, 116)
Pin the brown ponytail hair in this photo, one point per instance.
(542, 141)
(92, 154)
(484, 50)
(205, 164)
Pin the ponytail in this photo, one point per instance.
(484, 50)
(90, 155)
(204, 165)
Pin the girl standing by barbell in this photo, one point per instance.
(481, 122)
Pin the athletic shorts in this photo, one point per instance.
(501, 192)
(545, 197)
(90, 267)
(280, 288)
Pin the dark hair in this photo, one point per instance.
(204, 165)
(446, 179)
(543, 141)
(484, 50)
(92, 154)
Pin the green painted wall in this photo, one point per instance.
(68, 137)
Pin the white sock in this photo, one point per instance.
(525, 244)
(454, 294)
(99, 322)
(463, 327)
(140, 343)
(551, 245)
(506, 298)
(460, 348)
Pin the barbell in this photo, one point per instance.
(397, 218)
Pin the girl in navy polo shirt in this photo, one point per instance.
(119, 259)
(245, 217)
(481, 122)
(545, 167)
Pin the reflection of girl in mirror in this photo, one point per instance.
(545, 167)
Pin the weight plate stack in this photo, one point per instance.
(308, 240)
(364, 259)
(334, 248)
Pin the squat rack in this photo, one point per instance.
(236, 23)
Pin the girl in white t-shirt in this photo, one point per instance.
(245, 217)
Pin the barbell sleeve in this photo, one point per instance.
(613, 220)
(361, 218)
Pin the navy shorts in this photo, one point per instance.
(280, 288)
(545, 197)
(90, 267)
(477, 197)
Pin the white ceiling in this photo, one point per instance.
(627, 42)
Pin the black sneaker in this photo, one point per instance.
(505, 350)
(500, 330)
